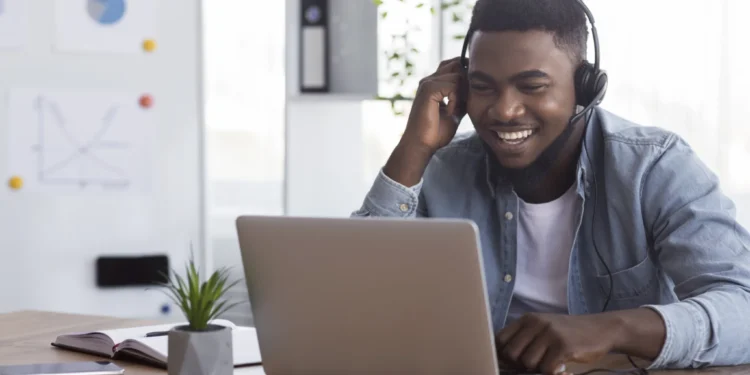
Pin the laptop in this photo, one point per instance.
(367, 295)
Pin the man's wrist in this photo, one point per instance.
(407, 163)
(619, 331)
(638, 332)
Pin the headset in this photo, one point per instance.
(590, 80)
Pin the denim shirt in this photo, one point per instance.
(660, 221)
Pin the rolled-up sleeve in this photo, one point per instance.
(388, 198)
(705, 251)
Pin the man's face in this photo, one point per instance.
(521, 94)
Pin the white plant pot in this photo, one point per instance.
(207, 352)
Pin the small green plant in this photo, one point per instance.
(200, 302)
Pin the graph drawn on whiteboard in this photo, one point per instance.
(83, 164)
(78, 141)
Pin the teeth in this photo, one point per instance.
(511, 136)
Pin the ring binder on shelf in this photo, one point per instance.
(314, 49)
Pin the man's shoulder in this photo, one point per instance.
(465, 149)
(462, 157)
(617, 129)
(466, 144)
(633, 149)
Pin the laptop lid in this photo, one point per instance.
(367, 296)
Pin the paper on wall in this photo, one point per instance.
(108, 26)
(78, 141)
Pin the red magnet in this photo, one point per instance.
(146, 101)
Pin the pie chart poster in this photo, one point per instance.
(107, 26)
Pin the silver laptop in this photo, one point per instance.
(367, 296)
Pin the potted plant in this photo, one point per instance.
(200, 347)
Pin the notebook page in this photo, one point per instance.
(245, 348)
(122, 334)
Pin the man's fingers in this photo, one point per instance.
(452, 104)
(439, 89)
(504, 336)
(532, 357)
(553, 362)
(448, 66)
(520, 342)
(446, 77)
(444, 63)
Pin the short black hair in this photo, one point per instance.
(565, 19)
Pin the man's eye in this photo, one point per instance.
(480, 88)
(533, 88)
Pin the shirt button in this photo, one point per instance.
(508, 278)
(404, 207)
(509, 215)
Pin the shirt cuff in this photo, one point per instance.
(685, 325)
(389, 198)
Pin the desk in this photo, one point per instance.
(25, 337)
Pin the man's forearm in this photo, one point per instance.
(642, 332)
(407, 164)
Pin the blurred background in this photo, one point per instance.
(137, 130)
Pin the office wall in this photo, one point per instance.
(324, 132)
(50, 237)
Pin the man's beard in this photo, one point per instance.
(533, 174)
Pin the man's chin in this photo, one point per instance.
(518, 169)
(524, 168)
(513, 164)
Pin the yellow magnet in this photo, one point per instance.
(15, 183)
(149, 45)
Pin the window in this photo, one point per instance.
(684, 71)
(244, 93)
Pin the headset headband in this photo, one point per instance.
(583, 7)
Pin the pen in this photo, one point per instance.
(157, 333)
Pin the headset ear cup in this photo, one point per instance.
(585, 84)
(600, 85)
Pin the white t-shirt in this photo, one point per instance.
(545, 239)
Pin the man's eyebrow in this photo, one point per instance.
(528, 74)
(536, 73)
(481, 76)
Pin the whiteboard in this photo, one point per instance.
(100, 116)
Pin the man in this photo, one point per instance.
(600, 236)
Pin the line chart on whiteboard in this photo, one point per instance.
(70, 161)
(78, 141)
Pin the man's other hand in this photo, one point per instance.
(545, 342)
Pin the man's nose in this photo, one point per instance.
(508, 107)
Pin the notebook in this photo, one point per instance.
(133, 344)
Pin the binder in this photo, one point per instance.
(314, 46)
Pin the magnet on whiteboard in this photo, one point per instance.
(146, 101)
(15, 183)
(149, 45)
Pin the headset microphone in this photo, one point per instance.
(596, 100)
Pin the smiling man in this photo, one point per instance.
(598, 235)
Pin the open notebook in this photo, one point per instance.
(132, 344)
